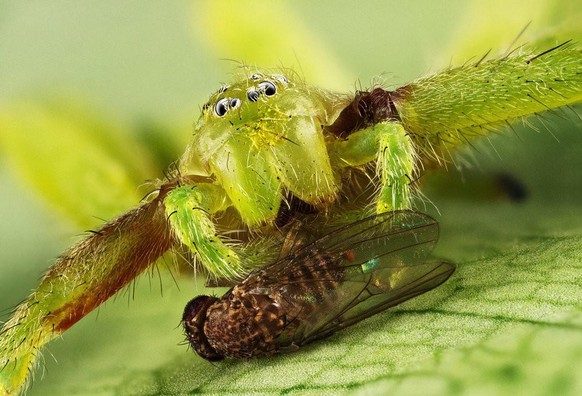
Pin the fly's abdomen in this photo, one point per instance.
(249, 321)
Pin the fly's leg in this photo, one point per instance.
(389, 145)
(189, 210)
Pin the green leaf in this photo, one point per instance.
(503, 324)
(80, 164)
(542, 24)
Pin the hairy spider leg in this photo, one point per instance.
(388, 144)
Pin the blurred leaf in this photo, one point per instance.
(77, 162)
(485, 28)
(267, 34)
(165, 141)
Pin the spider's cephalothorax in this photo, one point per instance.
(260, 136)
(267, 140)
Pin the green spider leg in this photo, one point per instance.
(189, 209)
(388, 144)
(81, 279)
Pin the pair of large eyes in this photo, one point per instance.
(225, 104)
(266, 88)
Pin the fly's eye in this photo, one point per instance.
(253, 95)
(268, 88)
(234, 103)
(221, 107)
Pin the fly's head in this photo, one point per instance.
(193, 321)
(256, 106)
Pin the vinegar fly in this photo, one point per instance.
(321, 287)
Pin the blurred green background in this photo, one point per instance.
(98, 96)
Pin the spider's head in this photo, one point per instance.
(255, 106)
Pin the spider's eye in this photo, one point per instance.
(281, 78)
(268, 88)
(256, 76)
(234, 103)
(253, 95)
(221, 107)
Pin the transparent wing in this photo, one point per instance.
(352, 273)
(372, 299)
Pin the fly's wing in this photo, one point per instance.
(352, 273)
(377, 295)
